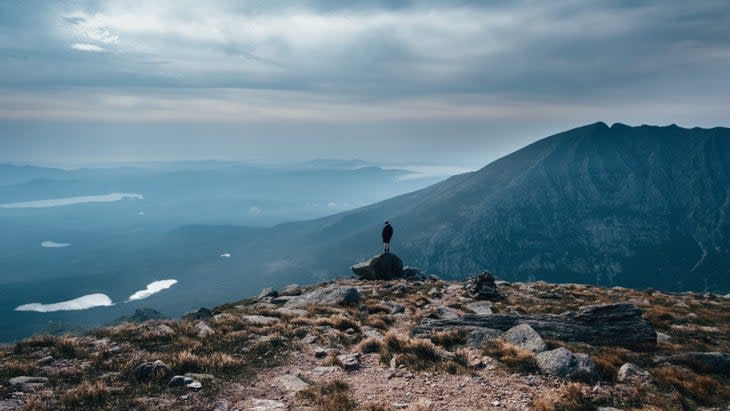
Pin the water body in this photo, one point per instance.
(59, 202)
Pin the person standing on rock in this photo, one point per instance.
(387, 235)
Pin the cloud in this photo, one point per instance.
(253, 210)
(103, 35)
(81, 303)
(226, 255)
(87, 47)
(59, 202)
(152, 288)
(53, 244)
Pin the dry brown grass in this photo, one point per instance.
(17, 366)
(449, 338)
(87, 395)
(701, 388)
(33, 343)
(512, 356)
(330, 396)
(569, 397)
(369, 345)
(186, 361)
(417, 354)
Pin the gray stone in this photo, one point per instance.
(162, 330)
(309, 339)
(268, 292)
(152, 371)
(446, 313)
(26, 381)
(662, 338)
(631, 372)
(384, 266)
(199, 376)
(482, 286)
(704, 362)
(611, 324)
(480, 307)
(290, 383)
(395, 308)
(331, 295)
(46, 360)
(292, 312)
(349, 362)
(267, 405)
(476, 337)
(525, 337)
(562, 363)
(259, 319)
(204, 329)
(196, 385)
(201, 313)
(179, 381)
(291, 289)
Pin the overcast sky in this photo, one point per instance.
(456, 83)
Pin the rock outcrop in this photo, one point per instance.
(712, 362)
(482, 286)
(386, 266)
(606, 324)
(331, 295)
(525, 337)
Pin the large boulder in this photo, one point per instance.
(562, 363)
(331, 295)
(384, 266)
(482, 286)
(605, 324)
(525, 337)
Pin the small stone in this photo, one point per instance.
(400, 405)
(259, 319)
(309, 339)
(350, 362)
(25, 380)
(196, 385)
(46, 360)
(320, 352)
(179, 381)
(480, 307)
(290, 383)
(631, 372)
(150, 371)
(204, 329)
(267, 292)
(268, 405)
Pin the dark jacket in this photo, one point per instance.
(387, 233)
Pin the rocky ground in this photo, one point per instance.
(414, 344)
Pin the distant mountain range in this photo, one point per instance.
(638, 206)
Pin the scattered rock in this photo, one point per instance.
(259, 319)
(631, 372)
(200, 377)
(320, 352)
(204, 329)
(152, 371)
(401, 405)
(291, 289)
(662, 338)
(268, 405)
(201, 313)
(196, 385)
(290, 383)
(179, 381)
(705, 362)
(386, 266)
(562, 363)
(46, 360)
(331, 295)
(268, 292)
(525, 337)
(309, 339)
(411, 272)
(162, 330)
(26, 382)
(292, 312)
(476, 337)
(349, 362)
(434, 293)
(446, 313)
(480, 307)
(395, 308)
(482, 286)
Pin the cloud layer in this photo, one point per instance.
(152, 288)
(502, 68)
(81, 303)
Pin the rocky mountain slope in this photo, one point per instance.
(416, 343)
(635, 206)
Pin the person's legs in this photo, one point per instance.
(386, 247)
